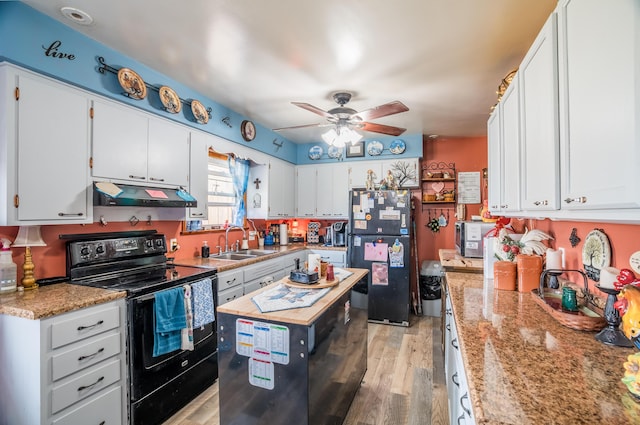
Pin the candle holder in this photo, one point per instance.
(553, 282)
(612, 335)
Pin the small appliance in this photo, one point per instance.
(338, 233)
(470, 237)
(328, 239)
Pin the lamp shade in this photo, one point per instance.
(29, 236)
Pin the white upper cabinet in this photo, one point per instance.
(130, 145)
(306, 188)
(510, 148)
(599, 94)
(199, 174)
(538, 77)
(494, 161)
(358, 173)
(281, 189)
(332, 192)
(44, 140)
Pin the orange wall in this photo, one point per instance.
(468, 154)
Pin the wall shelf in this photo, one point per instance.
(438, 183)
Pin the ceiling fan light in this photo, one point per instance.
(330, 136)
(354, 137)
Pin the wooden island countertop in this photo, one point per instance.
(244, 306)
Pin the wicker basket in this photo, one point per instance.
(587, 319)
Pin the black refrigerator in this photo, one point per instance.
(380, 241)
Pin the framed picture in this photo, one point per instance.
(355, 150)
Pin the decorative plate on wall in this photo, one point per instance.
(397, 147)
(199, 112)
(334, 152)
(375, 148)
(169, 99)
(596, 254)
(132, 84)
(315, 152)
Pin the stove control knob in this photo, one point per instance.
(159, 243)
(149, 243)
(100, 249)
(84, 251)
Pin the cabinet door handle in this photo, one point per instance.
(98, 323)
(465, 408)
(454, 379)
(197, 214)
(579, 200)
(460, 418)
(494, 207)
(131, 176)
(155, 179)
(454, 343)
(84, 387)
(537, 203)
(90, 356)
(504, 206)
(448, 326)
(61, 214)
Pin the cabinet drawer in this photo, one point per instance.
(85, 355)
(83, 324)
(230, 279)
(334, 257)
(84, 385)
(105, 409)
(262, 269)
(256, 284)
(230, 294)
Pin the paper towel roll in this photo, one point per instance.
(284, 236)
(313, 261)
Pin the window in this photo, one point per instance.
(221, 197)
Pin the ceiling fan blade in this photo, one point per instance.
(313, 109)
(390, 108)
(303, 126)
(381, 128)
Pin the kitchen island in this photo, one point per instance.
(298, 366)
(523, 367)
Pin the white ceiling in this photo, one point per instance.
(443, 59)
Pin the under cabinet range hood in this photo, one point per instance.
(122, 195)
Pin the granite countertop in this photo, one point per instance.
(278, 250)
(523, 367)
(47, 301)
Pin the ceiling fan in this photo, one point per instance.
(343, 117)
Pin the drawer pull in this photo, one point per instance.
(465, 408)
(449, 326)
(454, 343)
(102, 423)
(155, 179)
(131, 176)
(230, 282)
(90, 356)
(81, 328)
(84, 387)
(454, 379)
(61, 214)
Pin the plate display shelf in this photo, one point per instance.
(438, 183)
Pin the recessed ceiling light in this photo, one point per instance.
(76, 15)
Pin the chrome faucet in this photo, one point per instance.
(226, 236)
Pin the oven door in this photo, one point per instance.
(149, 373)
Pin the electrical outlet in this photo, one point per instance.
(173, 244)
(252, 235)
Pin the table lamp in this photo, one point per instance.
(28, 236)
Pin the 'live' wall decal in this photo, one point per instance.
(52, 51)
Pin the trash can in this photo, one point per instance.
(431, 274)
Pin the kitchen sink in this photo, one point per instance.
(256, 252)
(234, 256)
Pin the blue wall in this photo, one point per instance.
(25, 33)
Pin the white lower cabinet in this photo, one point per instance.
(335, 257)
(66, 370)
(460, 411)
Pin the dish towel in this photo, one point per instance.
(169, 319)
(203, 308)
(187, 333)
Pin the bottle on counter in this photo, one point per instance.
(8, 269)
(205, 250)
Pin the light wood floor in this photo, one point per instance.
(404, 383)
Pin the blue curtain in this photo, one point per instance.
(239, 169)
